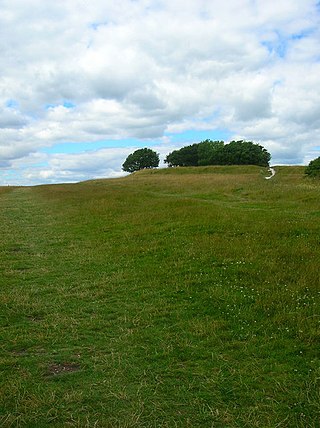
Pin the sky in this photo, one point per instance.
(84, 83)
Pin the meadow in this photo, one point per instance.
(181, 297)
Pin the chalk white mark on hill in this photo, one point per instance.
(272, 171)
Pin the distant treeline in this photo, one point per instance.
(210, 152)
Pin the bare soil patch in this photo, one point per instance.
(60, 368)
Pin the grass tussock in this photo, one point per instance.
(184, 297)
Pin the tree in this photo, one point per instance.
(313, 169)
(186, 156)
(141, 159)
(174, 158)
(210, 152)
(245, 153)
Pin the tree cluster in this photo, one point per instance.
(206, 152)
(313, 169)
(210, 152)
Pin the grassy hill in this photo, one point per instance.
(184, 297)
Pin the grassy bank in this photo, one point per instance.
(184, 297)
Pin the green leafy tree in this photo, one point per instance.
(245, 153)
(313, 169)
(186, 156)
(210, 152)
(190, 155)
(174, 158)
(141, 159)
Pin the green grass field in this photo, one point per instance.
(183, 297)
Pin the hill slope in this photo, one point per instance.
(169, 298)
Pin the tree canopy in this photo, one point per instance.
(313, 169)
(210, 152)
(141, 159)
(186, 156)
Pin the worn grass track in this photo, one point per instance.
(170, 298)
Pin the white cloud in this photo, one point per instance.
(78, 71)
(57, 168)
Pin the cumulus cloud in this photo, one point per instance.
(77, 71)
(78, 167)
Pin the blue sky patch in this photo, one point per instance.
(279, 46)
(301, 35)
(95, 25)
(12, 104)
(66, 104)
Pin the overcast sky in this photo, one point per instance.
(83, 83)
